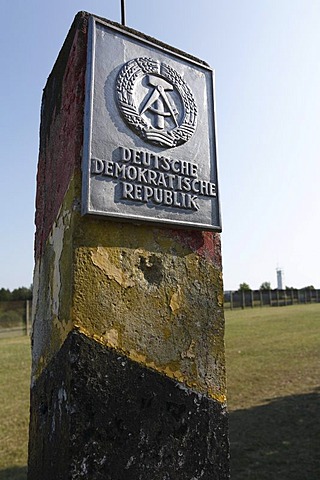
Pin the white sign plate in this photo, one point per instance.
(150, 139)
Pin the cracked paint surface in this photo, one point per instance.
(154, 294)
(56, 241)
(152, 299)
(53, 286)
(134, 289)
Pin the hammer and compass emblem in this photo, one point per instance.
(156, 102)
(160, 99)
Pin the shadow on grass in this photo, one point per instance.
(14, 473)
(279, 440)
(276, 441)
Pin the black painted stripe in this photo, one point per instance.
(96, 414)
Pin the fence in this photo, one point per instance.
(14, 318)
(272, 298)
(15, 314)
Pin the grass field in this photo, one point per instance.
(273, 370)
(273, 367)
(14, 412)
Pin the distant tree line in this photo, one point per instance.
(21, 293)
(244, 287)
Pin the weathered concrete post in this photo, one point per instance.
(128, 374)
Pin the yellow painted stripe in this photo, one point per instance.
(167, 370)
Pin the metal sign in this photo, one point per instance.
(150, 141)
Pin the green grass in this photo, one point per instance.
(273, 367)
(14, 411)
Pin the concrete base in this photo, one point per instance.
(106, 417)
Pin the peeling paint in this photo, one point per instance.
(112, 338)
(170, 323)
(137, 289)
(190, 353)
(35, 292)
(220, 299)
(62, 327)
(175, 300)
(102, 260)
(56, 240)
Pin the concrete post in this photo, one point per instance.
(128, 370)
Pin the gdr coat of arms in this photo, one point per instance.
(156, 102)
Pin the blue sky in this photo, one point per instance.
(266, 57)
